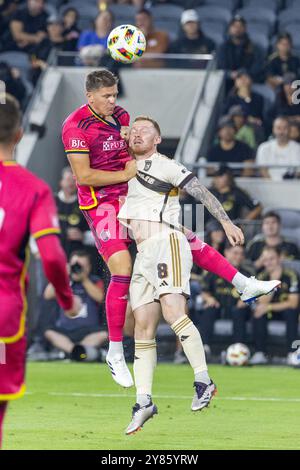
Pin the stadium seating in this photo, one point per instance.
(288, 17)
(214, 13)
(272, 5)
(257, 28)
(124, 14)
(260, 40)
(228, 4)
(167, 18)
(87, 12)
(215, 30)
(259, 15)
(16, 59)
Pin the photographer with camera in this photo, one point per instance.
(80, 337)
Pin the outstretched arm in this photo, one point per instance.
(202, 194)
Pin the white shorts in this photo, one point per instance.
(163, 266)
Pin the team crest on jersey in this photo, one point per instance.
(105, 235)
(148, 165)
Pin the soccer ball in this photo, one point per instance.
(126, 44)
(237, 354)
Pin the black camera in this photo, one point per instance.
(76, 268)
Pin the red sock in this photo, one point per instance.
(116, 303)
(3, 406)
(206, 257)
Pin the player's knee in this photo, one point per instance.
(143, 332)
(173, 307)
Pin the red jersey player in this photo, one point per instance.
(26, 208)
(98, 153)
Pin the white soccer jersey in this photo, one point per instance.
(153, 193)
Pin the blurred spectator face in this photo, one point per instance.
(217, 237)
(270, 227)
(227, 133)
(67, 182)
(237, 30)
(35, 7)
(281, 129)
(284, 47)
(271, 260)
(70, 18)
(104, 22)
(55, 30)
(191, 28)
(235, 255)
(239, 121)
(144, 22)
(295, 132)
(221, 182)
(243, 81)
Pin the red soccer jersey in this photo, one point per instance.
(84, 131)
(26, 208)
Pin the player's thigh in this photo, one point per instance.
(173, 264)
(120, 263)
(173, 307)
(146, 321)
(111, 237)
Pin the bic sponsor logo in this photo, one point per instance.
(2, 354)
(77, 144)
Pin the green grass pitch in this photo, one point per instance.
(78, 406)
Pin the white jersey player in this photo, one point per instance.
(161, 274)
(164, 260)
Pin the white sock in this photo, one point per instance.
(145, 359)
(192, 345)
(203, 377)
(115, 347)
(239, 281)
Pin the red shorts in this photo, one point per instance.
(109, 234)
(12, 370)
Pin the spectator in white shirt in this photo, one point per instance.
(280, 151)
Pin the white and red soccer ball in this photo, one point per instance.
(126, 44)
(237, 354)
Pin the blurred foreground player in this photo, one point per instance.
(26, 208)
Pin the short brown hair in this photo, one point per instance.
(10, 118)
(100, 79)
(147, 118)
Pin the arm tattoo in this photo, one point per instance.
(202, 194)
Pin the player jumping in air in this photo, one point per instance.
(161, 273)
(94, 138)
(26, 208)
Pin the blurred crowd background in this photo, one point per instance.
(257, 44)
